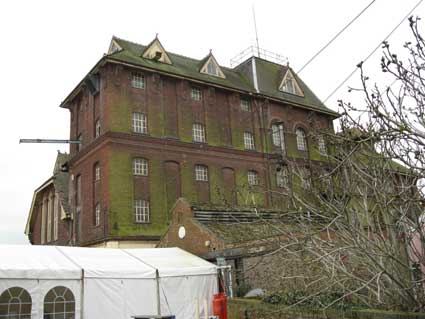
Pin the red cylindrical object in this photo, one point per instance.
(220, 305)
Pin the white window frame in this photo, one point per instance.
(301, 139)
(97, 172)
(282, 178)
(322, 145)
(140, 166)
(305, 178)
(97, 129)
(198, 133)
(245, 105)
(56, 217)
(60, 298)
(137, 80)
(97, 215)
(196, 94)
(141, 211)
(278, 135)
(253, 178)
(24, 299)
(140, 123)
(201, 173)
(248, 139)
(49, 218)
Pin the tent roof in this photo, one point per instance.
(54, 262)
(172, 262)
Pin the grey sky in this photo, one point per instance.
(48, 46)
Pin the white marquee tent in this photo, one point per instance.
(70, 282)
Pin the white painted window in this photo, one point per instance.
(43, 220)
(56, 217)
(140, 167)
(253, 178)
(201, 173)
(245, 106)
(49, 218)
(282, 179)
(196, 94)
(301, 139)
(212, 68)
(248, 141)
(278, 135)
(140, 123)
(59, 302)
(97, 129)
(305, 178)
(198, 133)
(15, 302)
(97, 172)
(97, 215)
(322, 145)
(137, 80)
(141, 211)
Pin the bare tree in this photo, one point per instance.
(357, 227)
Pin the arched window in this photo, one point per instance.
(278, 135)
(301, 139)
(16, 303)
(59, 303)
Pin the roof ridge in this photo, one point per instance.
(177, 54)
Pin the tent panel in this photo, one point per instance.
(185, 297)
(38, 290)
(119, 299)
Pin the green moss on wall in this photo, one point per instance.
(185, 122)
(121, 191)
(217, 188)
(247, 195)
(121, 107)
(122, 198)
(188, 187)
(213, 132)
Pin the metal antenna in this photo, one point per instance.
(256, 33)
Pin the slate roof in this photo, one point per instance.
(269, 74)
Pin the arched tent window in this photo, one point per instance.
(59, 303)
(16, 303)
(301, 139)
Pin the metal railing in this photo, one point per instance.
(258, 52)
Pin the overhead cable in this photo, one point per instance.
(337, 35)
(373, 51)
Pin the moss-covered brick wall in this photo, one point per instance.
(248, 195)
(217, 188)
(187, 180)
(122, 197)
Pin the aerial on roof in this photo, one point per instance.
(254, 76)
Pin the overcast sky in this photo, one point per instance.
(48, 46)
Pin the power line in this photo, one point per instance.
(373, 51)
(337, 35)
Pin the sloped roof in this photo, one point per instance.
(183, 66)
(269, 74)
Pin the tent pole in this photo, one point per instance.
(158, 293)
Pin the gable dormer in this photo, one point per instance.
(290, 85)
(114, 46)
(211, 67)
(155, 51)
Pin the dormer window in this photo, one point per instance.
(156, 52)
(290, 85)
(211, 67)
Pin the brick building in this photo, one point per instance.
(156, 126)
